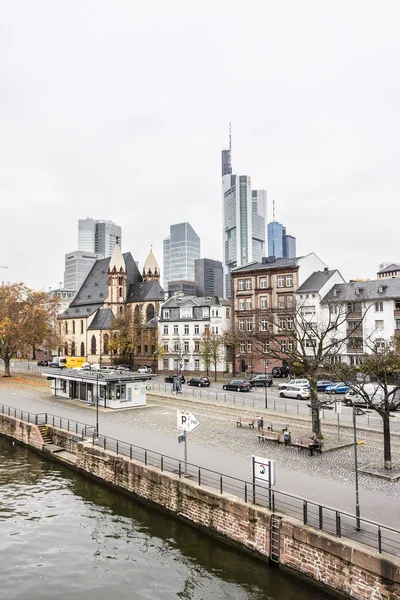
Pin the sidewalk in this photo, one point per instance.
(217, 444)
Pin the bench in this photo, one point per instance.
(310, 444)
(249, 422)
(269, 436)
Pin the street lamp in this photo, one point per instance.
(265, 383)
(358, 520)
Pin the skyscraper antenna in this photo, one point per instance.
(230, 145)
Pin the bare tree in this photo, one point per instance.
(211, 346)
(379, 384)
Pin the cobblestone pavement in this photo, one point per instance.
(218, 430)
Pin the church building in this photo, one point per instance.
(114, 286)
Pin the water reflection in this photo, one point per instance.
(64, 536)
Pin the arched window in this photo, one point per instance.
(82, 349)
(73, 326)
(137, 315)
(120, 292)
(121, 310)
(93, 345)
(81, 326)
(115, 343)
(105, 343)
(73, 349)
(66, 326)
(120, 280)
(150, 312)
(66, 348)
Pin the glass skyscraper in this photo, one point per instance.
(180, 249)
(244, 221)
(280, 244)
(98, 236)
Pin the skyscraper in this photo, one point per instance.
(244, 220)
(280, 244)
(77, 267)
(208, 277)
(98, 236)
(180, 250)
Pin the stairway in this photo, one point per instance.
(45, 435)
(275, 538)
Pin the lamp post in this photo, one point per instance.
(265, 383)
(97, 405)
(358, 520)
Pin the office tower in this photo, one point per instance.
(289, 246)
(276, 232)
(280, 244)
(98, 236)
(208, 276)
(77, 267)
(180, 250)
(244, 220)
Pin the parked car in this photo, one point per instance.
(302, 382)
(170, 378)
(375, 394)
(295, 391)
(280, 371)
(354, 399)
(337, 388)
(238, 385)
(261, 380)
(322, 385)
(144, 370)
(199, 381)
(43, 363)
(122, 368)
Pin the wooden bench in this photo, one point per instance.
(310, 444)
(269, 436)
(249, 422)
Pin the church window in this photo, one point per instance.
(73, 349)
(82, 349)
(66, 348)
(82, 328)
(120, 292)
(150, 312)
(137, 315)
(105, 344)
(93, 345)
(73, 326)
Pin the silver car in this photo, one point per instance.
(300, 392)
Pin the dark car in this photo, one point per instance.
(322, 385)
(170, 378)
(237, 385)
(43, 363)
(280, 372)
(199, 381)
(261, 380)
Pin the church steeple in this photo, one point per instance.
(151, 270)
(117, 281)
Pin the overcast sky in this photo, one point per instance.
(119, 110)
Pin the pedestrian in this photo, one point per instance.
(287, 438)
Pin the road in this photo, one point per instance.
(375, 505)
(257, 398)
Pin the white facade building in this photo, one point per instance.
(184, 321)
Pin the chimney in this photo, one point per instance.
(271, 259)
(326, 270)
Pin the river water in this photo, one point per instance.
(63, 536)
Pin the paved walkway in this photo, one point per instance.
(219, 445)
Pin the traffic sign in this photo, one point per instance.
(263, 470)
(186, 421)
(338, 407)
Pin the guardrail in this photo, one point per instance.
(318, 516)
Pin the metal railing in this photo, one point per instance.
(318, 516)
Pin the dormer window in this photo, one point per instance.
(186, 312)
(381, 289)
(166, 314)
(206, 313)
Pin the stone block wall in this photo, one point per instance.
(26, 433)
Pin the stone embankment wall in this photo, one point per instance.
(344, 568)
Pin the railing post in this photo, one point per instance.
(68, 424)
(199, 476)
(145, 457)
(180, 469)
(273, 500)
(117, 447)
(104, 442)
(305, 512)
(162, 462)
(130, 451)
(379, 540)
(320, 517)
(338, 524)
(220, 484)
(93, 439)
(35, 419)
(245, 492)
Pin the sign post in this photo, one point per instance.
(338, 410)
(264, 472)
(186, 421)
